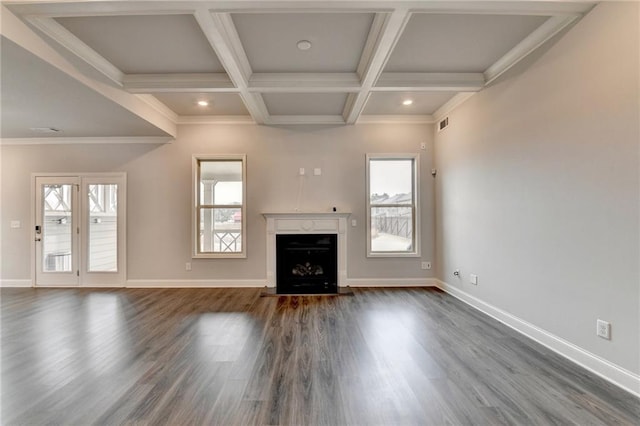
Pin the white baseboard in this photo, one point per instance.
(391, 282)
(609, 371)
(16, 283)
(195, 283)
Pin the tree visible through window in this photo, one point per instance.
(392, 193)
(219, 215)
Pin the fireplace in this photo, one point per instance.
(306, 263)
(315, 226)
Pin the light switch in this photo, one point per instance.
(317, 171)
(354, 222)
(15, 224)
(301, 171)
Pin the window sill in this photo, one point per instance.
(219, 256)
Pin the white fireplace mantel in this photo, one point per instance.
(306, 223)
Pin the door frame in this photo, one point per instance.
(122, 242)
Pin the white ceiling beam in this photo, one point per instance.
(221, 34)
(304, 82)
(451, 104)
(157, 83)
(277, 120)
(118, 7)
(416, 82)
(17, 31)
(537, 38)
(73, 44)
(215, 119)
(386, 39)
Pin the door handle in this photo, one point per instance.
(38, 239)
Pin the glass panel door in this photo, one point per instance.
(80, 230)
(56, 231)
(102, 230)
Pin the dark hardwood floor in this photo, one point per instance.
(229, 356)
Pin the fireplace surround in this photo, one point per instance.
(313, 226)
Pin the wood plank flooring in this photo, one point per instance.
(229, 356)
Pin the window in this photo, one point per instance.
(392, 205)
(219, 206)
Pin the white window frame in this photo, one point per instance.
(415, 205)
(196, 206)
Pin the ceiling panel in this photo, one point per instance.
(147, 44)
(305, 103)
(35, 94)
(390, 103)
(219, 103)
(270, 40)
(458, 43)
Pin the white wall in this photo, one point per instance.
(159, 191)
(538, 190)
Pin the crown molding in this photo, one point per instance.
(451, 104)
(396, 119)
(110, 140)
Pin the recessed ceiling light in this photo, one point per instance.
(203, 103)
(304, 45)
(407, 102)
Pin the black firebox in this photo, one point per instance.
(306, 263)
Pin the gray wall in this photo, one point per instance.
(538, 189)
(159, 193)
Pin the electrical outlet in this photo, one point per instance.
(473, 279)
(425, 265)
(187, 266)
(603, 329)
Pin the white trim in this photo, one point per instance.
(304, 119)
(609, 371)
(16, 283)
(451, 104)
(215, 119)
(429, 81)
(88, 141)
(217, 283)
(93, 8)
(396, 119)
(386, 40)
(417, 246)
(196, 205)
(537, 38)
(73, 44)
(158, 106)
(17, 31)
(178, 82)
(391, 282)
(307, 223)
(304, 82)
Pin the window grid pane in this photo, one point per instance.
(392, 205)
(219, 220)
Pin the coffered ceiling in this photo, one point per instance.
(154, 60)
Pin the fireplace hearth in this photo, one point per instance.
(306, 264)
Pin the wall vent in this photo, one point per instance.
(443, 124)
